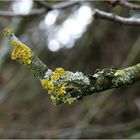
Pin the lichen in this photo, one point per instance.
(21, 52)
(58, 82)
(59, 72)
(56, 88)
(7, 32)
(48, 74)
(119, 72)
(77, 76)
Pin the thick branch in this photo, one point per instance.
(65, 86)
(115, 18)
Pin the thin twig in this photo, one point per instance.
(60, 5)
(33, 12)
(115, 18)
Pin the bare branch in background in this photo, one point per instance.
(46, 7)
(60, 5)
(115, 18)
(34, 12)
(123, 3)
(129, 5)
(96, 13)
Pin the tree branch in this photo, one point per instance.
(34, 12)
(115, 18)
(66, 86)
(60, 5)
(129, 5)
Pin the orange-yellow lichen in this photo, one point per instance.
(21, 52)
(55, 89)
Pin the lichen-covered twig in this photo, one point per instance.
(65, 86)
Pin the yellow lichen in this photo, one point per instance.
(21, 52)
(58, 73)
(14, 42)
(7, 32)
(48, 85)
(55, 89)
(62, 89)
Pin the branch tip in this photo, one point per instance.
(7, 31)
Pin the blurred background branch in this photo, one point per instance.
(129, 5)
(118, 19)
(34, 12)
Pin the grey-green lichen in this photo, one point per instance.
(102, 79)
(122, 77)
